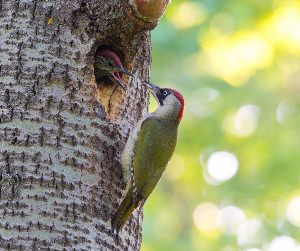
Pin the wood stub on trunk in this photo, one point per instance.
(60, 143)
(149, 10)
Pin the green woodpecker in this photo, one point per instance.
(108, 65)
(148, 149)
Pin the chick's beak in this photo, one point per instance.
(117, 78)
(124, 71)
(154, 89)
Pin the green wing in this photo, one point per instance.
(153, 149)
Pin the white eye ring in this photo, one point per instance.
(165, 93)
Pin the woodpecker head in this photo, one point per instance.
(108, 64)
(170, 102)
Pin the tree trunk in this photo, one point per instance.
(61, 134)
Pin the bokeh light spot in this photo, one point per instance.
(243, 123)
(222, 166)
(229, 219)
(293, 211)
(246, 120)
(205, 218)
(250, 232)
(236, 58)
(283, 243)
(283, 27)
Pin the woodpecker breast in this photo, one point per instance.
(149, 145)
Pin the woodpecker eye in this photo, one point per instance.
(163, 94)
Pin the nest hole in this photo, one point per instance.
(110, 94)
(104, 80)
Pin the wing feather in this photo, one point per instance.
(153, 149)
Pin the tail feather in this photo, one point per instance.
(122, 213)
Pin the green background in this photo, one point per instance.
(233, 182)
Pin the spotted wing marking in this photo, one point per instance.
(134, 189)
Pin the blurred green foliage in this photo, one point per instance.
(233, 182)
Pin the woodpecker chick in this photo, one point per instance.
(108, 65)
(148, 149)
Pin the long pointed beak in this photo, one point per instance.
(124, 71)
(120, 82)
(116, 78)
(155, 90)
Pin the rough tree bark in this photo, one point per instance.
(61, 134)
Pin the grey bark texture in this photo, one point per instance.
(61, 135)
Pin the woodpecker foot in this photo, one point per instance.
(115, 234)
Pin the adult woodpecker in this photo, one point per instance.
(108, 65)
(148, 149)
